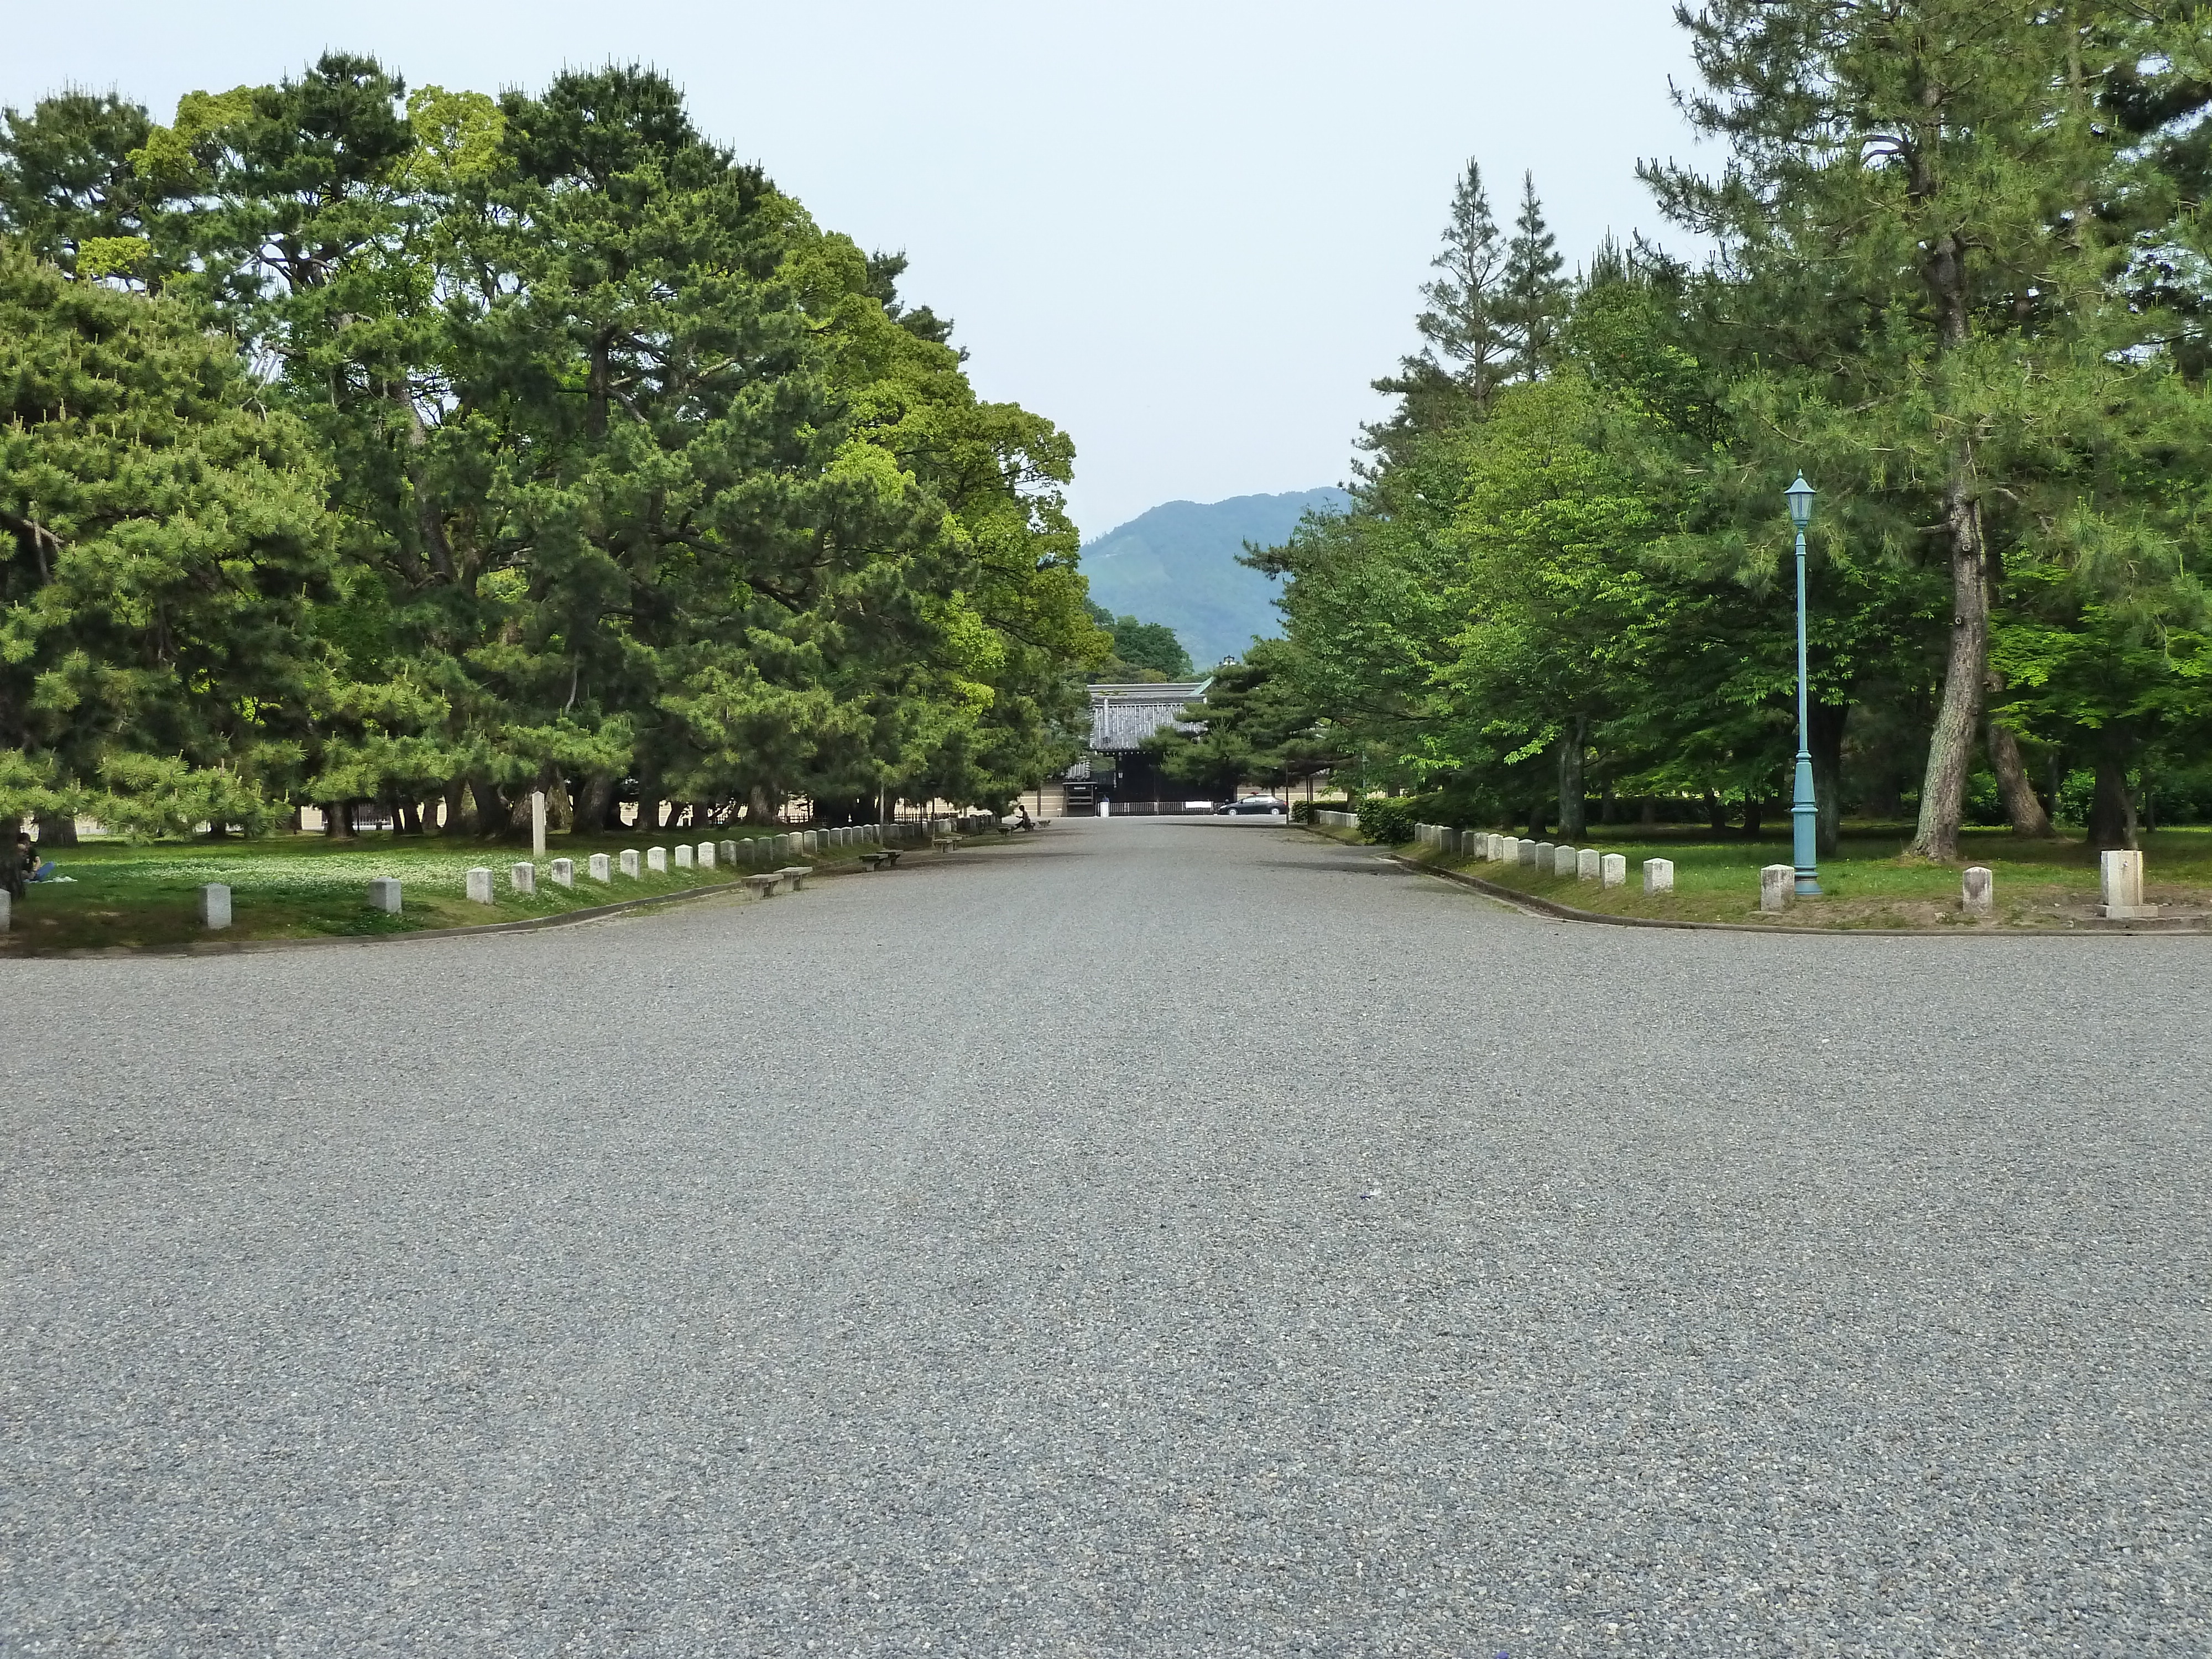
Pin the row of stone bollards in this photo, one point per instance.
(757, 852)
(754, 851)
(1547, 858)
(2119, 873)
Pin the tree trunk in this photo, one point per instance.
(1754, 819)
(2112, 809)
(1647, 813)
(1716, 813)
(1608, 807)
(495, 812)
(57, 830)
(428, 521)
(594, 803)
(2022, 809)
(1951, 744)
(1825, 739)
(599, 383)
(1572, 814)
(457, 807)
(337, 820)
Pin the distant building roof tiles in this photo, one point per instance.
(1123, 716)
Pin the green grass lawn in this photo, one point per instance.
(291, 886)
(2039, 884)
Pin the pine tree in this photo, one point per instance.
(161, 538)
(1463, 347)
(1531, 299)
(1933, 165)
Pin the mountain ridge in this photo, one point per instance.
(1176, 563)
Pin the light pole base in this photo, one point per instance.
(1807, 887)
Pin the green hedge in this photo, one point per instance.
(1389, 821)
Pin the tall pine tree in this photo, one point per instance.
(1532, 299)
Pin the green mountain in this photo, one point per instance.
(1177, 564)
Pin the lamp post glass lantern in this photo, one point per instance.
(1804, 813)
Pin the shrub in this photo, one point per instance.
(1388, 822)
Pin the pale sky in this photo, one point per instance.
(1188, 234)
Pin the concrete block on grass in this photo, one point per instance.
(7, 909)
(524, 877)
(215, 905)
(601, 867)
(1778, 886)
(684, 857)
(1658, 876)
(1542, 857)
(1612, 870)
(2120, 876)
(728, 851)
(1978, 891)
(629, 861)
(383, 895)
(1589, 864)
(656, 860)
(1524, 853)
(480, 886)
(706, 855)
(562, 872)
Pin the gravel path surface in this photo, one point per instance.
(1154, 1238)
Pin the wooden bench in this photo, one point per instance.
(797, 875)
(764, 886)
(872, 861)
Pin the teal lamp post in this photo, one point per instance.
(1804, 814)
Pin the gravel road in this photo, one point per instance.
(1029, 1253)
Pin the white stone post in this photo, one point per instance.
(523, 878)
(1613, 871)
(562, 872)
(480, 884)
(1777, 885)
(1542, 857)
(728, 851)
(1524, 851)
(656, 860)
(537, 824)
(629, 861)
(601, 867)
(1589, 864)
(683, 856)
(215, 905)
(2120, 875)
(1978, 891)
(383, 895)
(1658, 876)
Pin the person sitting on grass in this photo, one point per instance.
(26, 867)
